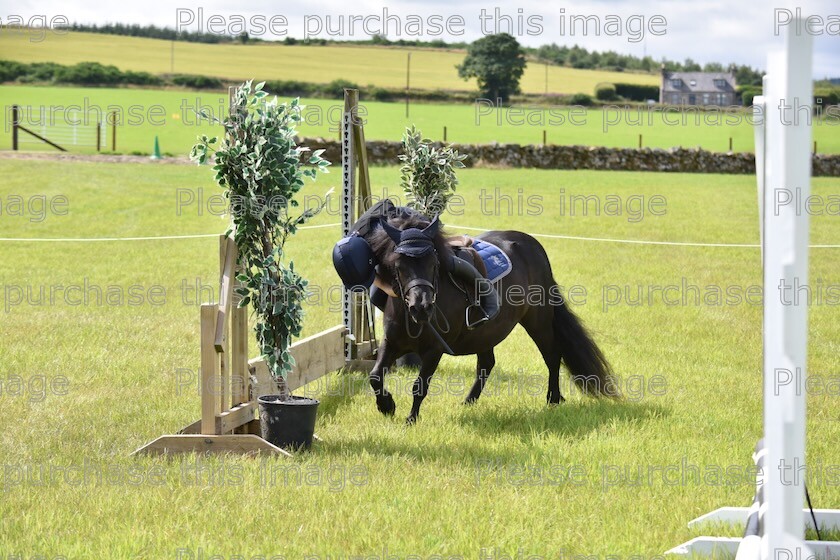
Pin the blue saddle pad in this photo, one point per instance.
(496, 262)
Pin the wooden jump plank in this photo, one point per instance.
(237, 416)
(240, 377)
(210, 403)
(227, 257)
(241, 444)
(194, 428)
(315, 357)
(226, 272)
(224, 377)
(360, 147)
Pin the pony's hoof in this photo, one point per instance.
(386, 405)
(411, 420)
(470, 401)
(555, 400)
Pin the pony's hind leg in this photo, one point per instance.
(484, 363)
(539, 324)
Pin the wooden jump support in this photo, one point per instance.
(356, 199)
(230, 383)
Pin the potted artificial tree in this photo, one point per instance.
(259, 165)
(427, 174)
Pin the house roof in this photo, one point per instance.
(698, 81)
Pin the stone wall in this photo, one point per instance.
(676, 160)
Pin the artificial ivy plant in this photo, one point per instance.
(427, 174)
(259, 165)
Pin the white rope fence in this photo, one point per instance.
(468, 228)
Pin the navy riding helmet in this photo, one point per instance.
(355, 262)
(353, 258)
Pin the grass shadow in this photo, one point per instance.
(574, 419)
(432, 452)
(337, 391)
(483, 425)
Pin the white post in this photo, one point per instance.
(760, 131)
(788, 173)
(783, 173)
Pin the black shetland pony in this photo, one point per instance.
(413, 253)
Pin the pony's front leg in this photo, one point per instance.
(385, 357)
(430, 360)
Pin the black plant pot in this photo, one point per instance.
(289, 423)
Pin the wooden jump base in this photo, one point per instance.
(230, 383)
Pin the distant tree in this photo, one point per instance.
(552, 53)
(690, 66)
(747, 76)
(497, 61)
(713, 67)
(243, 37)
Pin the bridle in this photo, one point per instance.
(437, 315)
(415, 243)
(403, 290)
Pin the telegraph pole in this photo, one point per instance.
(407, 83)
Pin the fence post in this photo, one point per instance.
(730, 143)
(544, 137)
(113, 131)
(15, 122)
(444, 134)
(640, 141)
(98, 135)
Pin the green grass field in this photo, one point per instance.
(379, 66)
(484, 481)
(170, 116)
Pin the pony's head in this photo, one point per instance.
(410, 249)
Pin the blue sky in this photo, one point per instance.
(704, 30)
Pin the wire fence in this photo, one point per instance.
(62, 126)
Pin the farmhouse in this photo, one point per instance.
(697, 88)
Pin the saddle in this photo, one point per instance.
(462, 245)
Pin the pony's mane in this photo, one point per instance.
(383, 246)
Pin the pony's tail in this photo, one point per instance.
(587, 365)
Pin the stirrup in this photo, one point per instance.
(478, 322)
